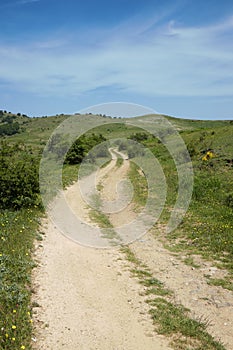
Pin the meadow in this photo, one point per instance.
(205, 231)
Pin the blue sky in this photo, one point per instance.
(60, 56)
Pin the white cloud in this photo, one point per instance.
(167, 60)
(24, 2)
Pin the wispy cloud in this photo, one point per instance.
(159, 60)
(17, 3)
(24, 2)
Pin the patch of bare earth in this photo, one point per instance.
(109, 178)
(87, 299)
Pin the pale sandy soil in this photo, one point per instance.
(209, 303)
(88, 300)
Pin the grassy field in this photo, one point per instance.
(206, 230)
(208, 226)
(36, 131)
(18, 230)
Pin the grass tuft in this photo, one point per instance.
(119, 162)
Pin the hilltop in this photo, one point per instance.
(35, 131)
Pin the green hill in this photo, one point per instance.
(36, 131)
(206, 230)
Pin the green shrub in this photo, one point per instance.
(9, 129)
(139, 136)
(18, 177)
(83, 145)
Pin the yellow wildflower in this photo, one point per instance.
(208, 155)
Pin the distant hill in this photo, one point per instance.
(37, 130)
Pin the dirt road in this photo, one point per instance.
(88, 299)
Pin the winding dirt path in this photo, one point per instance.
(87, 299)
